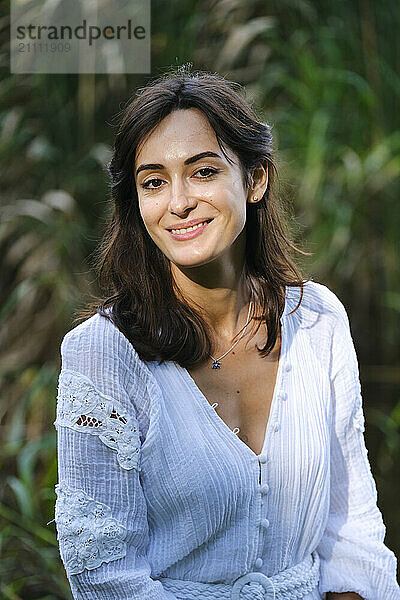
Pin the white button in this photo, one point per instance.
(288, 366)
(282, 395)
(264, 523)
(265, 488)
(258, 563)
(277, 427)
(262, 458)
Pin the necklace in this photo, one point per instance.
(216, 364)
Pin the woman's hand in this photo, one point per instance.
(343, 596)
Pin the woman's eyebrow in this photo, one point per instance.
(188, 161)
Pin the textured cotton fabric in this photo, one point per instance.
(153, 483)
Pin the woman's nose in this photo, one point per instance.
(181, 199)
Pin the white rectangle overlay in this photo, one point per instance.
(80, 36)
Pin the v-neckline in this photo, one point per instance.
(198, 394)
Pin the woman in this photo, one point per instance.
(224, 459)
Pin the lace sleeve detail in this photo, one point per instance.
(87, 533)
(82, 407)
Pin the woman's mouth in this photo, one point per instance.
(190, 232)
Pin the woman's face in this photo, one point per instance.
(175, 185)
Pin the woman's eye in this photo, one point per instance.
(147, 183)
(210, 171)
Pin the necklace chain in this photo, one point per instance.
(216, 364)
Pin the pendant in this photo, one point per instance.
(216, 365)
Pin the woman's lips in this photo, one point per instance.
(189, 235)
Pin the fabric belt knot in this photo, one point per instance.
(295, 582)
(253, 586)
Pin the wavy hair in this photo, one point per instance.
(139, 294)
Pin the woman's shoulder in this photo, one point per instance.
(97, 338)
(96, 329)
(318, 298)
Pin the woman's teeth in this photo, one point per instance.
(189, 228)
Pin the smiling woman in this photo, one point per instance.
(231, 171)
(207, 188)
(224, 459)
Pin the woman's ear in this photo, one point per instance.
(259, 178)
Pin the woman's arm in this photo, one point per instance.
(352, 549)
(101, 511)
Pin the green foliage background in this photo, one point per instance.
(324, 75)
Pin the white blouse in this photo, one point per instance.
(181, 497)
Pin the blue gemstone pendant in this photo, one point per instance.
(216, 364)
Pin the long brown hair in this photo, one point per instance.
(139, 294)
